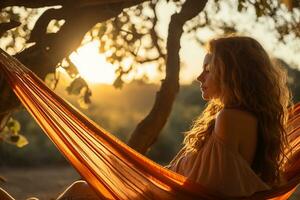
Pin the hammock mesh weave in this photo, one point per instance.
(112, 169)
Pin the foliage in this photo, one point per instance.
(280, 19)
(10, 134)
(17, 39)
(80, 87)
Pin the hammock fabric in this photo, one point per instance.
(112, 169)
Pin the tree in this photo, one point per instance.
(121, 25)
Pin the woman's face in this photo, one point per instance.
(208, 85)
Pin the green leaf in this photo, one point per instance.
(17, 140)
(118, 83)
(51, 80)
(22, 141)
(10, 134)
(70, 68)
(102, 30)
(13, 126)
(76, 86)
(82, 103)
(240, 7)
(87, 96)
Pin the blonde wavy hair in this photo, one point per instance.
(248, 79)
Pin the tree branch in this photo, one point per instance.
(32, 4)
(7, 26)
(40, 27)
(154, 36)
(71, 3)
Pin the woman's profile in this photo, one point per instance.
(236, 146)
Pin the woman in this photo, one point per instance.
(236, 146)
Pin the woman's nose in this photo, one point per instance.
(200, 78)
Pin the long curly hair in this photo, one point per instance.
(248, 79)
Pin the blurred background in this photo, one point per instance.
(109, 59)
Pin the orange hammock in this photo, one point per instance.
(112, 169)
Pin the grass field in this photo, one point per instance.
(44, 183)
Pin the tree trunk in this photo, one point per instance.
(149, 128)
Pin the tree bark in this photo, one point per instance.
(149, 128)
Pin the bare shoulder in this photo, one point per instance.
(233, 126)
(235, 114)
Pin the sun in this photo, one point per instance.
(92, 65)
